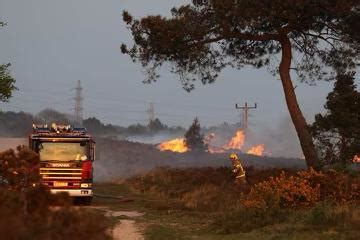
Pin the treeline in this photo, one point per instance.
(19, 124)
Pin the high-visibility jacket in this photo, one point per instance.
(237, 169)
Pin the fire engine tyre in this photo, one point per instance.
(84, 201)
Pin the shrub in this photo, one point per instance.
(26, 211)
(304, 189)
(283, 191)
(336, 186)
(19, 170)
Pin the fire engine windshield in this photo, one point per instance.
(63, 151)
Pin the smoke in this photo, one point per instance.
(121, 159)
(153, 139)
(280, 139)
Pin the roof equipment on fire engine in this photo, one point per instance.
(59, 129)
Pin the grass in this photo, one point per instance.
(161, 232)
(199, 204)
(165, 221)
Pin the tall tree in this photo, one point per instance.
(337, 132)
(202, 38)
(194, 140)
(156, 125)
(6, 80)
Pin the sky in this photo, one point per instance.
(52, 44)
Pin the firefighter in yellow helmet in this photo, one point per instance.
(237, 169)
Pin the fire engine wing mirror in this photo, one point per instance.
(93, 151)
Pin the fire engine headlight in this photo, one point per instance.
(85, 185)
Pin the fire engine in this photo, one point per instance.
(66, 159)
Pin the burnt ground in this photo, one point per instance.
(118, 159)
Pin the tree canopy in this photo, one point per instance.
(6, 83)
(337, 132)
(202, 38)
(194, 140)
(6, 80)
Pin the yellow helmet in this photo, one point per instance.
(233, 156)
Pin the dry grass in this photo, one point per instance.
(307, 198)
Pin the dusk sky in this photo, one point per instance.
(52, 44)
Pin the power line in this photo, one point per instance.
(245, 114)
(151, 112)
(78, 114)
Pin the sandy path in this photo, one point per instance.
(126, 229)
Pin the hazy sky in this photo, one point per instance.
(53, 43)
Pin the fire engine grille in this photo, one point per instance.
(60, 173)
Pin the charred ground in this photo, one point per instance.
(118, 159)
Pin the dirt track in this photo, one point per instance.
(125, 229)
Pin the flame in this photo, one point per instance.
(356, 158)
(208, 138)
(237, 141)
(174, 145)
(256, 150)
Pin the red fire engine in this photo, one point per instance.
(66, 159)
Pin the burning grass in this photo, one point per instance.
(235, 143)
(276, 196)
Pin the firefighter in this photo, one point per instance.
(237, 169)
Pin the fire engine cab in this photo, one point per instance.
(66, 159)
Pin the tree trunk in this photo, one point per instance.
(297, 117)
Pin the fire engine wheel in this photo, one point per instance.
(84, 201)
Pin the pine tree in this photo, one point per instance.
(194, 140)
(337, 132)
(7, 82)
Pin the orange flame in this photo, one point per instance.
(237, 141)
(174, 145)
(208, 138)
(256, 150)
(356, 158)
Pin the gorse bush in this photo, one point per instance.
(19, 170)
(273, 196)
(32, 217)
(337, 186)
(304, 189)
(26, 207)
(195, 187)
(284, 191)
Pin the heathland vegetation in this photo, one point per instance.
(277, 204)
(28, 211)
